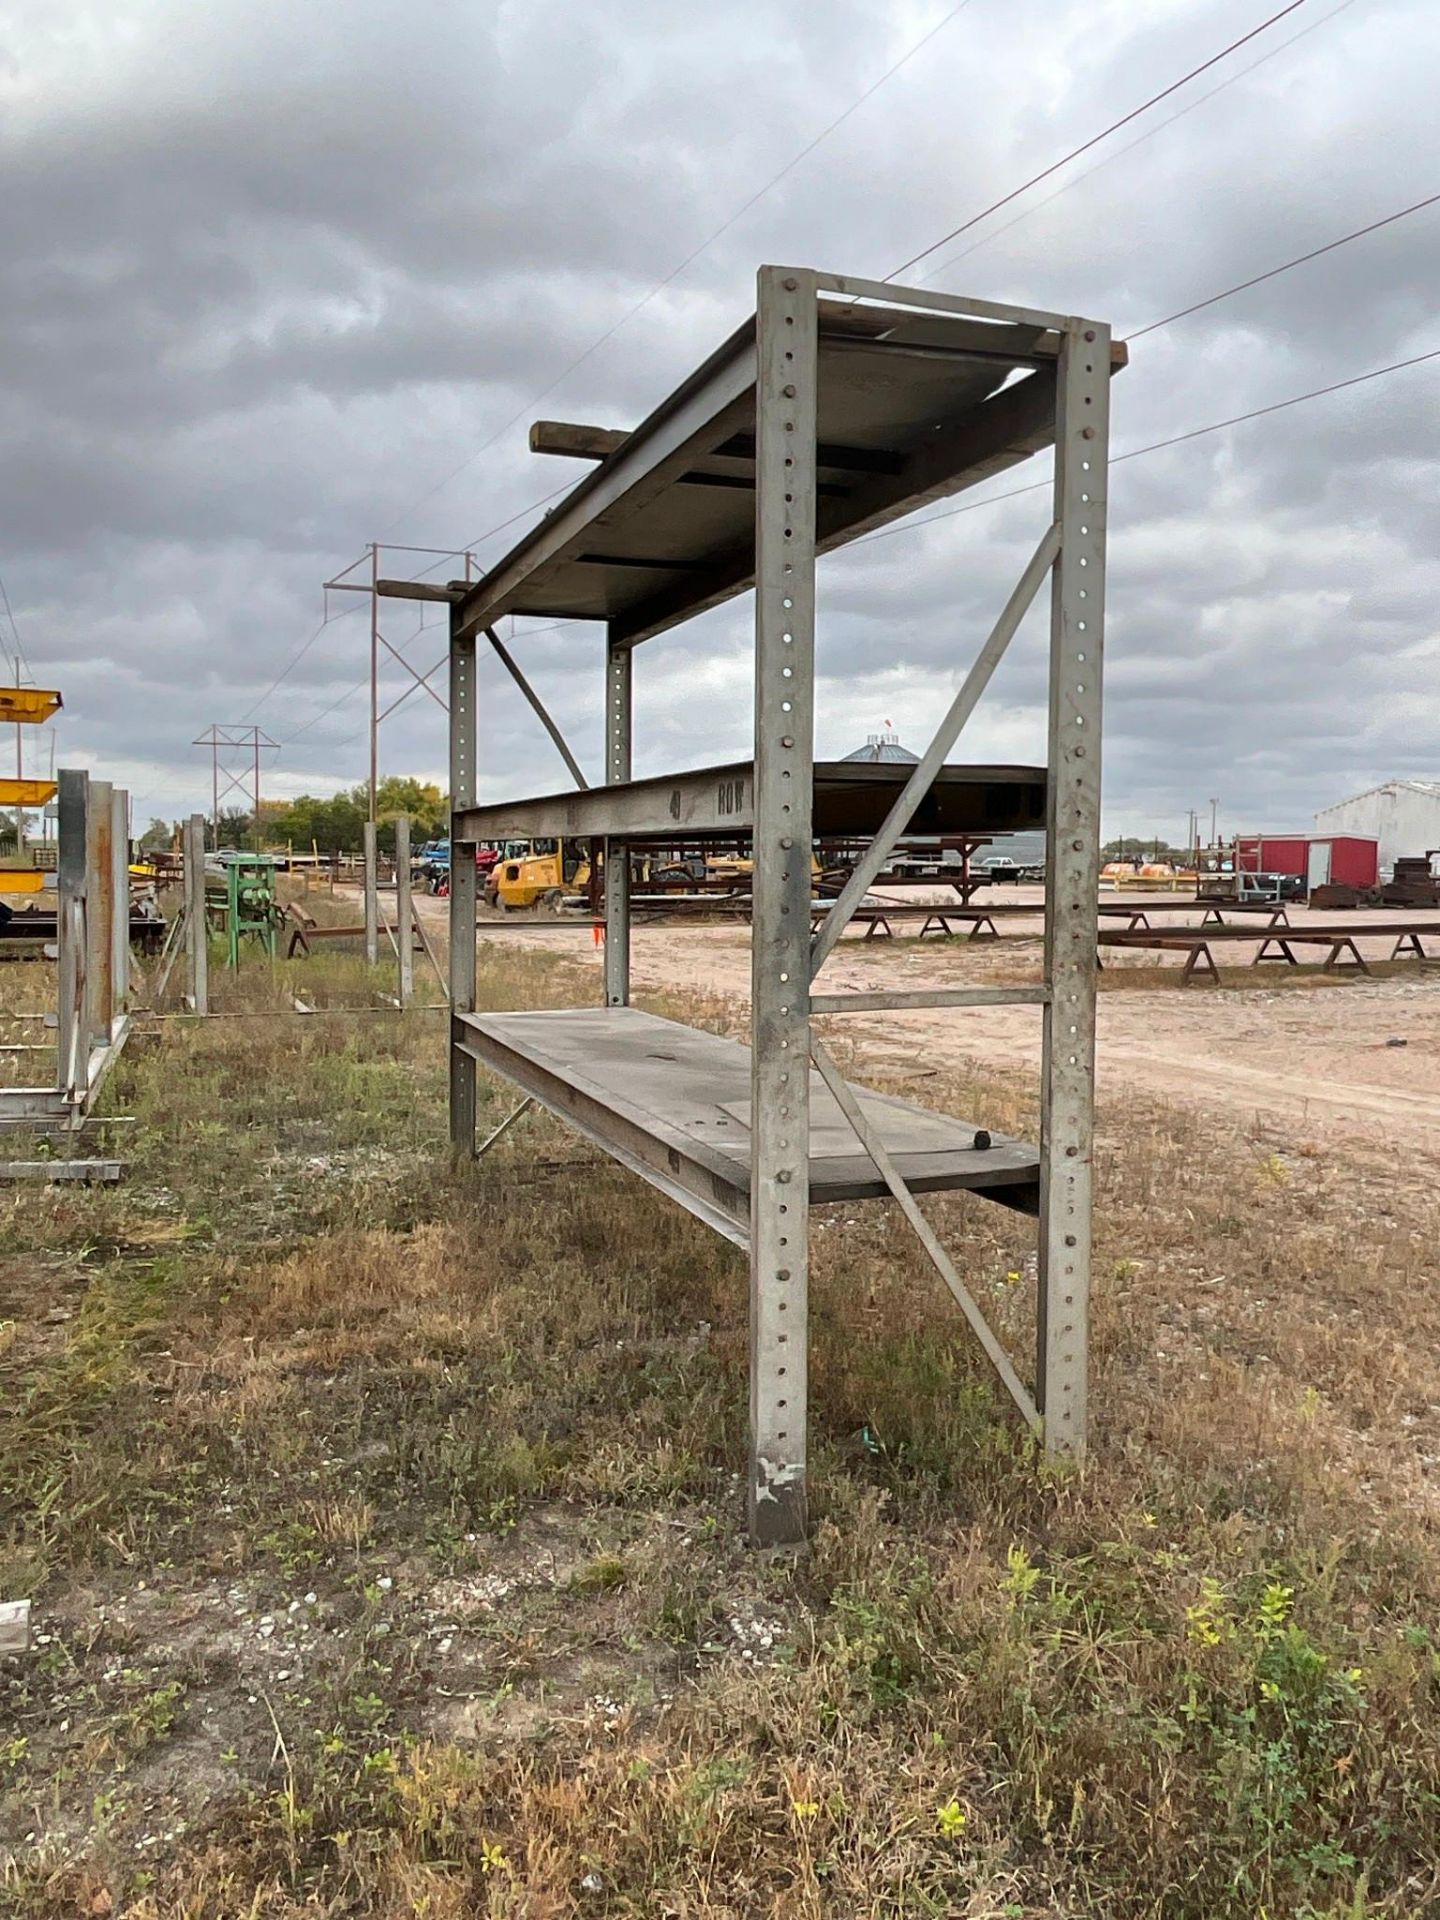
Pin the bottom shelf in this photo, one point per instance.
(672, 1103)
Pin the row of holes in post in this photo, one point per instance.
(1068, 1006)
(618, 676)
(461, 727)
(787, 742)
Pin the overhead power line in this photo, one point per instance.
(1191, 106)
(690, 258)
(20, 661)
(1280, 406)
(1273, 273)
(1157, 446)
(1038, 486)
(1093, 141)
(298, 655)
(455, 552)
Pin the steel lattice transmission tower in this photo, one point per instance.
(235, 760)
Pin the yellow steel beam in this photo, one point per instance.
(27, 793)
(24, 880)
(30, 706)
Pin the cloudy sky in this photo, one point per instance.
(280, 280)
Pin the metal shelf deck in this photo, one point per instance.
(912, 407)
(673, 1103)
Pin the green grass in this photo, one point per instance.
(383, 1522)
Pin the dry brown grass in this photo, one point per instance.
(468, 1441)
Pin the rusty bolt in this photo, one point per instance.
(791, 284)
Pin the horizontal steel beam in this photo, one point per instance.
(598, 443)
(934, 997)
(851, 798)
(932, 301)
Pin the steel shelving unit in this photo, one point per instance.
(92, 951)
(842, 405)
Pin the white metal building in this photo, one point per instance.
(1403, 815)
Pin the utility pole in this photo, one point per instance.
(19, 775)
(19, 769)
(374, 682)
(1214, 805)
(342, 584)
(225, 744)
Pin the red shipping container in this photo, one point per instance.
(1320, 859)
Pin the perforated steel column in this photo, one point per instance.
(372, 895)
(196, 933)
(100, 912)
(618, 730)
(404, 913)
(462, 887)
(1072, 870)
(73, 880)
(780, 952)
(120, 913)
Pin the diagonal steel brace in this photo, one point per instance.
(885, 1166)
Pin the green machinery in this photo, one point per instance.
(240, 898)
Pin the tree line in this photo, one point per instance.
(325, 825)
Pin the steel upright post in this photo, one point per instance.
(120, 912)
(1072, 869)
(20, 775)
(372, 897)
(618, 737)
(72, 831)
(374, 682)
(787, 339)
(404, 931)
(196, 948)
(99, 912)
(462, 888)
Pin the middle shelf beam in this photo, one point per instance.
(851, 800)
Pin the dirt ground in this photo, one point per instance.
(380, 1516)
(1350, 1061)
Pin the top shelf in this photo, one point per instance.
(912, 407)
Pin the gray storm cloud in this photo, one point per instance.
(273, 275)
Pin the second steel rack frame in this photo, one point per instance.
(842, 405)
(92, 950)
